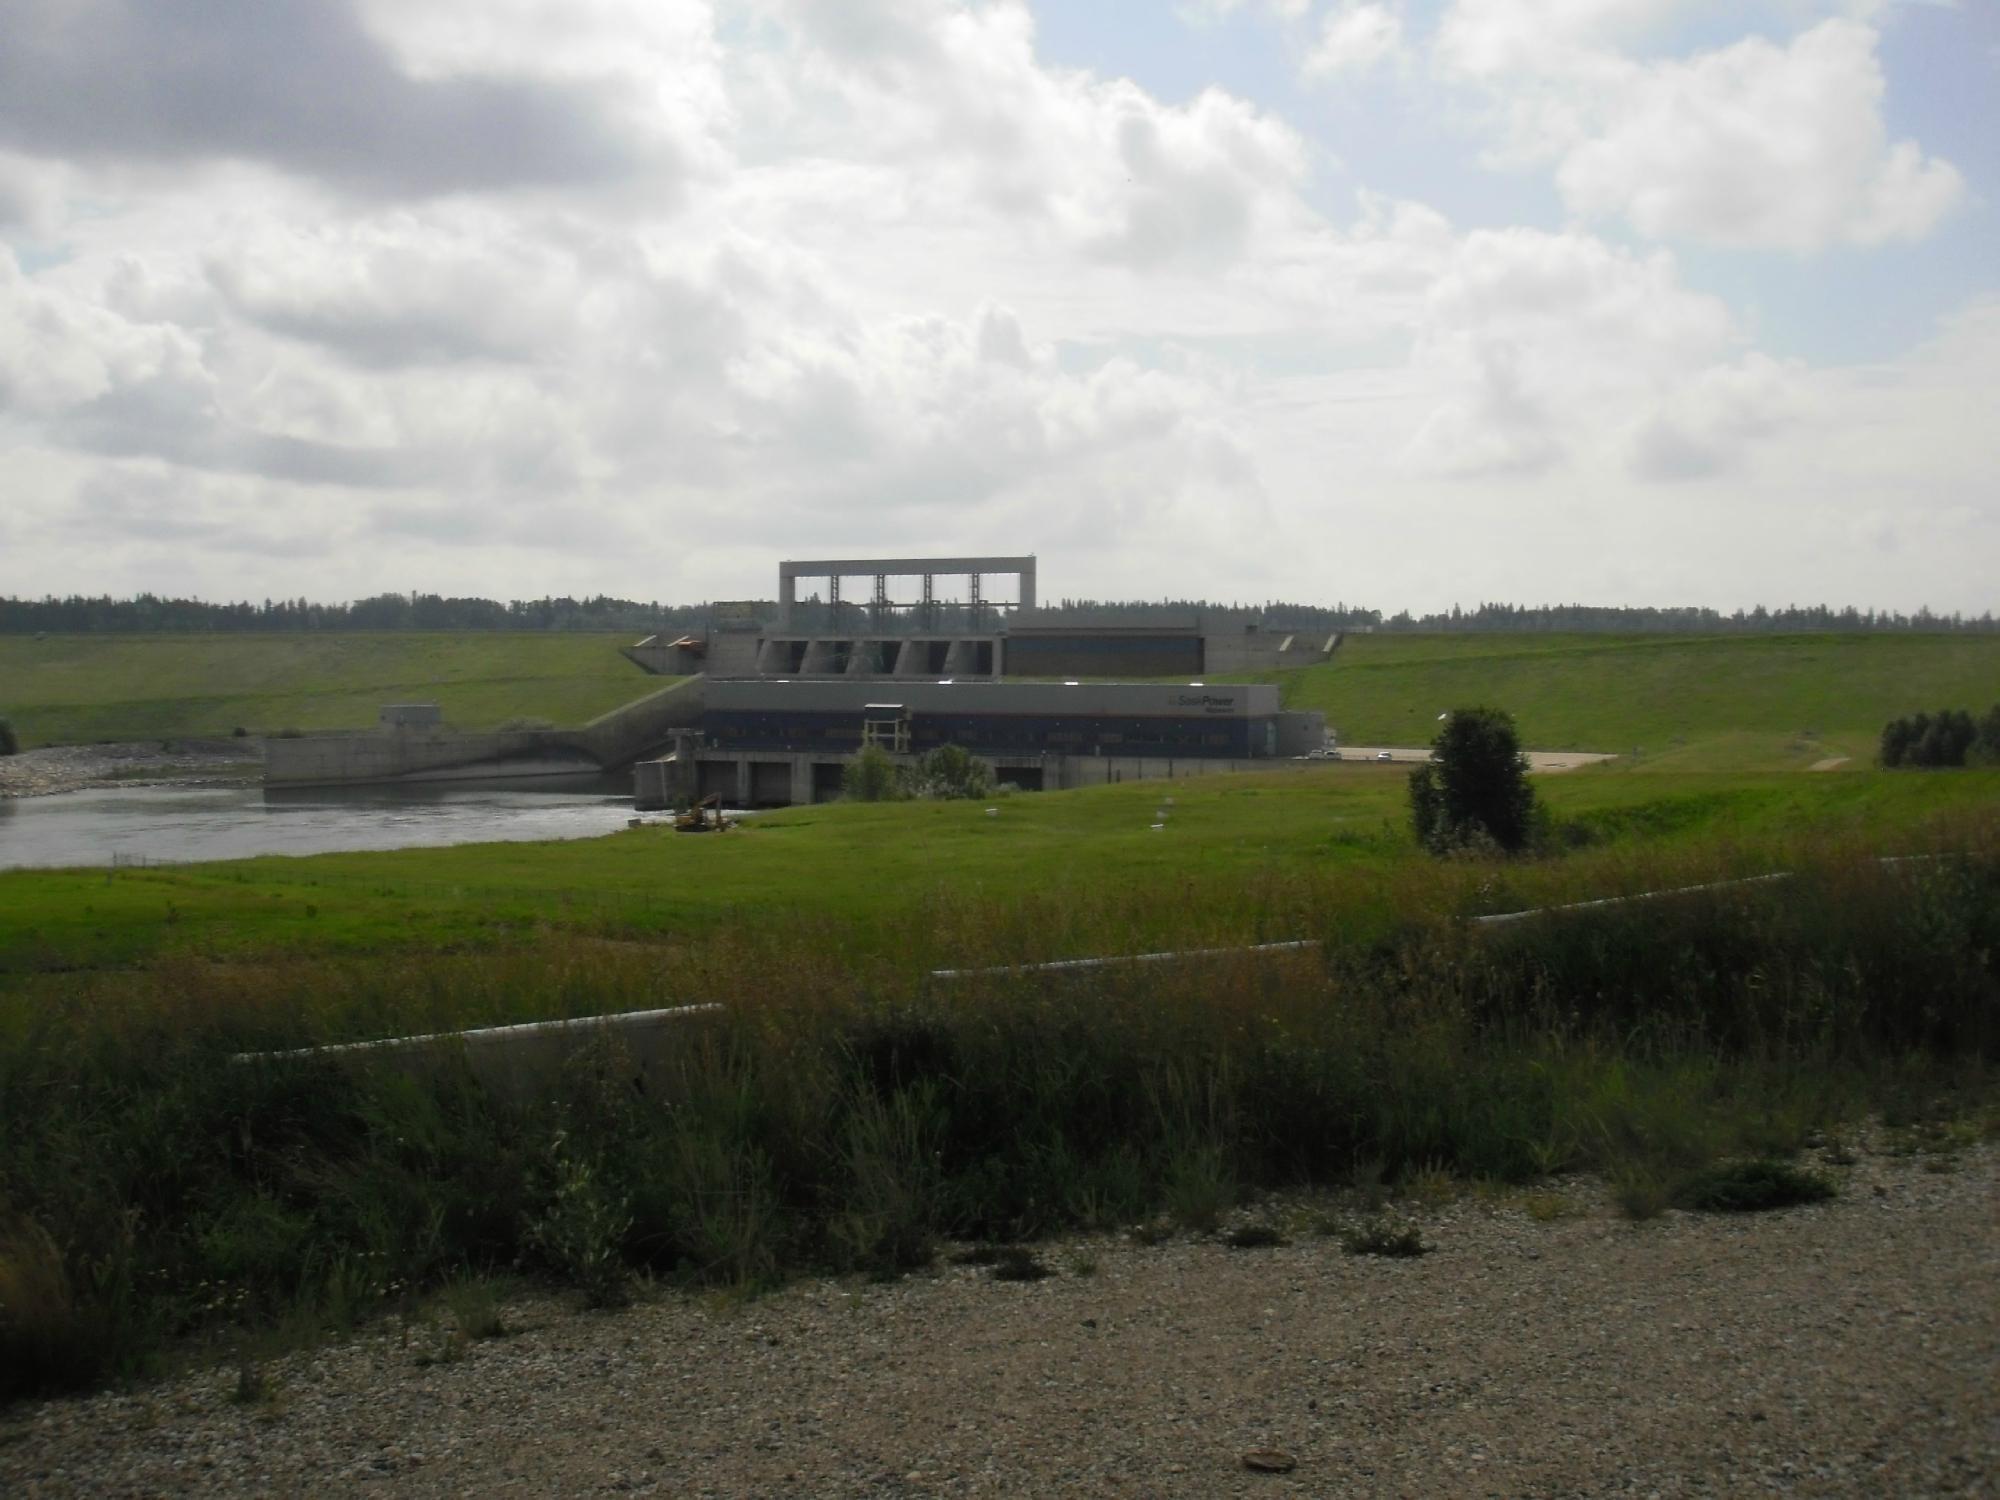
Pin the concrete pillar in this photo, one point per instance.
(802, 780)
(743, 781)
(1028, 585)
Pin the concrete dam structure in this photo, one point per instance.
(766, 713)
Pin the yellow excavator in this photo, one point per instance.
(704, 816)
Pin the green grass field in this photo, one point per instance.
(896, 879)
(844, 1109)
(1684, 702)
(82, 688)
(1751, 703)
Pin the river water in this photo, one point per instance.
(172, 825)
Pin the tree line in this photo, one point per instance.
(146, 613)
(1949, 737)
(79, 614)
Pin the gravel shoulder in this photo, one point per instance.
(76, 768)
(1847, 1348)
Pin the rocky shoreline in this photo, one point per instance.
(74, 768)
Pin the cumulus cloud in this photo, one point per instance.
(303, 87)
(954, 99)
(1353, 38)
(1755, 145)
(1545, 344)
(1762, 146)
(858, 276)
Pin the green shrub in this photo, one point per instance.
(1747, 1186)
(1253, 1237)
(9, 743)
(870, 775)
(1379, 1237)
(950, 773)
(581, 1233)
(1473, 794)
(1018, 1263)
(475, 1308)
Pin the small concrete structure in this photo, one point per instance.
(410, 716)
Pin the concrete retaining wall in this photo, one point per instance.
(606, 742)
(431, 755)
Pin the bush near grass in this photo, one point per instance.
(838, 1118)
(951, 774)
(1378, 1237)
(1748, 1186)
(10, 744)
(1473, 794)
(870, 775)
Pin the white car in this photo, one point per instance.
(1383, 755)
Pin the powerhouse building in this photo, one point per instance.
(1235, 721)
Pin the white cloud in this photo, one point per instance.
(307, 89)
(1353, 38)
(1710, 426)
(876, 275)
(1755, 145)
(1209, 12)
(1543, 346)
(1762, 146)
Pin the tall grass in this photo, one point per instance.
(845, 1112)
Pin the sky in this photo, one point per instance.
(1403, 303)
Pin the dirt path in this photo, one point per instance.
(1848, 1348)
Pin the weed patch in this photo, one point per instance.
(1019, 1263)
(1253, 1237)
(1748, 1186)
(1379, 1237)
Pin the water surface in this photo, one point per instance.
(166, 825)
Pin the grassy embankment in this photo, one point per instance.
(81, 688)
(845, 1111)
(1734, 703)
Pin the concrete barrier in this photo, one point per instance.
(522, 1062)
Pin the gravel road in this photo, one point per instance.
(75, 768)
(1849, 1348)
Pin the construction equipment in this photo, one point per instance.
(704, 816)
